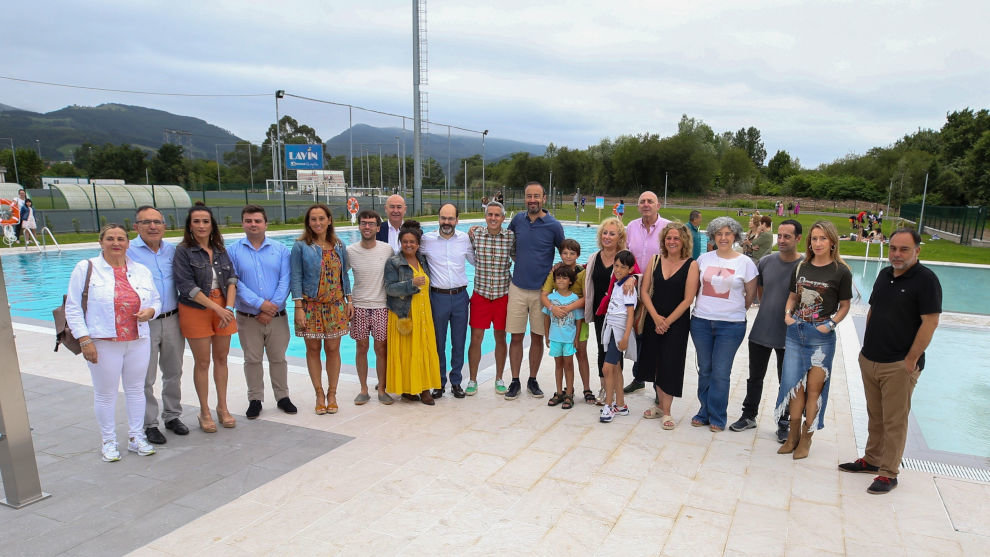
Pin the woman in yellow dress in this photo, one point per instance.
(413, 365)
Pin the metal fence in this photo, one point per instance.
(968, 223)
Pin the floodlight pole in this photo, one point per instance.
(417, 124)
(921, 218)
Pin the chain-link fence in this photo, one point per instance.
(960, 224)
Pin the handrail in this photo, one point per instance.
(54, 241)
(27, 243)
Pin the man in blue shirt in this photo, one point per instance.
(262, 267)
(699, 243)
(167, 342)
(538, 234)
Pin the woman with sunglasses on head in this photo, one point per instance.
(207, 285)
(821, 290)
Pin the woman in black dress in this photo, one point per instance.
(673, 278)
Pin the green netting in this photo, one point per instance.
(966, 222)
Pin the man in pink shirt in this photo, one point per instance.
(643, 240)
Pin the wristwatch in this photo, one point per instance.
(831, 324)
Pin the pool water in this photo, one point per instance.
(36, 283)
(958, 292)
(951, 399)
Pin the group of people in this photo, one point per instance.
(25, 215)
(409, 291)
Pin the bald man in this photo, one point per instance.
(643, 240)
(395, 212)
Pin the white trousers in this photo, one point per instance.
(116, 362)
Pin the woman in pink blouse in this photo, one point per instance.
(110, 319)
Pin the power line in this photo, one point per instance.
(132, 92)
(287, 94)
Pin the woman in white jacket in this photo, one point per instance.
(113, 333)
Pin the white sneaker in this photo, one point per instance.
(141, 446)
(110, 451)
(606, 415)
(620, 410)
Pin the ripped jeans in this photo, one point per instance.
(805, 347)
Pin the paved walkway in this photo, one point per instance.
(483, 476)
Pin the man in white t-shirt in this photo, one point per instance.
(366, 260)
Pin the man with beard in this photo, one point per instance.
(538, 234)
(395, 211)
(769, 330)
(366, 259)
(904, 312)
(446, 250)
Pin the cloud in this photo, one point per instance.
(818, 79)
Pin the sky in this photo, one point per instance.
(819, 79)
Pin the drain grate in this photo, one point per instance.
(951, 470)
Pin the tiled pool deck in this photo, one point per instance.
(482, 476)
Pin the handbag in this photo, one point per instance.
(63, 334)
(640, 315)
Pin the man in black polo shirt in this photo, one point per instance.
(904, 311)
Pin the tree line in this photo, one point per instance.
(694, 161)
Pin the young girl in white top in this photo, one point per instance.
(617, 337)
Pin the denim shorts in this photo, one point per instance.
(612, 354)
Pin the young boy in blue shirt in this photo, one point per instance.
(563, 335)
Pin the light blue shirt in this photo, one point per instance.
(563, 329)
(160, 265)
(263, 274)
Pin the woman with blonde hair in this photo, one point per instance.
(108, 304)
(321, 292)
(598, 276)
(821, 289)
(672, 277)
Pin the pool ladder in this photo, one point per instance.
(44, 244)
(867, 259)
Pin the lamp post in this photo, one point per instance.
(280, 93)
(483, 134)
(216, 148)
(13, 152)
(398, 165)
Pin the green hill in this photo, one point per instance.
(61, 131)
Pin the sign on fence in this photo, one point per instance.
(304, 157)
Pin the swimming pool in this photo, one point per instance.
(958, 292)
(955, 379)
(36, 283)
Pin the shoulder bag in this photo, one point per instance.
(63, 334)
